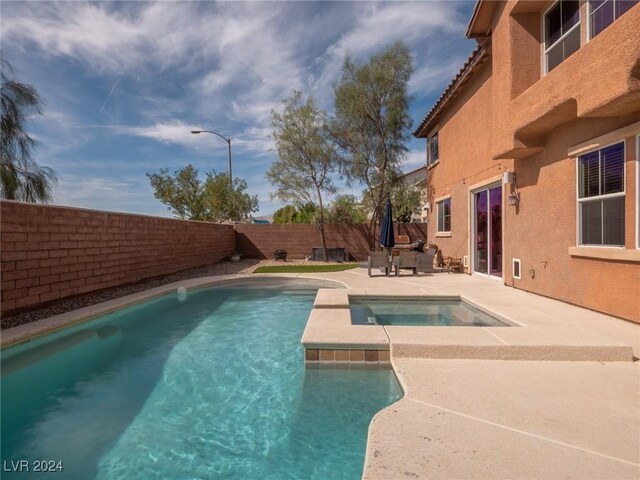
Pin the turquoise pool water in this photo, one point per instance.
(212, 387)
(435, 312)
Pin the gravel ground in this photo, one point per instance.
(246, 266)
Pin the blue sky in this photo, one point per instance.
(123, 83)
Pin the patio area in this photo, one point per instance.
(483, 418)
(469, 412)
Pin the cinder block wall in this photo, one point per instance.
(260, 241)
(51, 252)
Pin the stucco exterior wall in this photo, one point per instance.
(514, 115)
(464, 160)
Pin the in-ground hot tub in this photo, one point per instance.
(427, 311)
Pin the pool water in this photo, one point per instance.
(439, 312)
(212, 387)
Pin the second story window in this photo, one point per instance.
(561, 32)
(603, 13)
(432, 148)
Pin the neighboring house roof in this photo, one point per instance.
(477, 58)
(415, 177)
(415, 171)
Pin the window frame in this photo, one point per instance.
(637, 138)
(439, 205)
(545, 47)
(590, 35)
(435, 133)
(579, 200)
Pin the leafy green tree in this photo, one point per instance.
(406, 201)
(286, 214)
(183, 193)
(21, 178)
(307, 213)
(214, 200)
(225, 202)
(345, 209)
(372, 122)
(306, 156)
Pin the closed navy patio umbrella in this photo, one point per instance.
(387, 238)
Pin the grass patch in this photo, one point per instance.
(306, 268)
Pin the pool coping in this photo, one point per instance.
(329, 333)
(30, 331)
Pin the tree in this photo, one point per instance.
(225, 202)
(286, 214)
(372, 122)
(215, 200)
(307, 213)
(406, 201)
(345, 209)
(21, 178)
(306, 156)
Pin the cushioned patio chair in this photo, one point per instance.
(425, 260)
(406, 260)
(379, 260)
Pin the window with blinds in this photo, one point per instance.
(601, 196)
(603, 13)
(561, 32)
(444, 215)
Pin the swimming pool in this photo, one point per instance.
(430, 311)
(212, 387)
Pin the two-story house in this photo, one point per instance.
(533, 152)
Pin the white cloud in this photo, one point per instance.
(103, 193)
(207, 65)
(414, 159)
(175, 132)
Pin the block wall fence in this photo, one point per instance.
(49, 252)
(260, 241)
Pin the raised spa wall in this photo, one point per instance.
(331, 339)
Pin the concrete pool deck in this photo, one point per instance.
(468, 416)
(482, 418)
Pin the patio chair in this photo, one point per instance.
(406, 260)
(425, 260)
(379, 260)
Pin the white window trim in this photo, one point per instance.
(589, 12)
(513, 268)
(599, 197)
(545, 48)
(431, 133)
(637, 219)
(442, 233)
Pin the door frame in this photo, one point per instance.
(473, 189)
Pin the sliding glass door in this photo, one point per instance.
(487, 246)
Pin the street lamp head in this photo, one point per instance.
(195, 132)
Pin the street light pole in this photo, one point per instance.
(228, 140)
